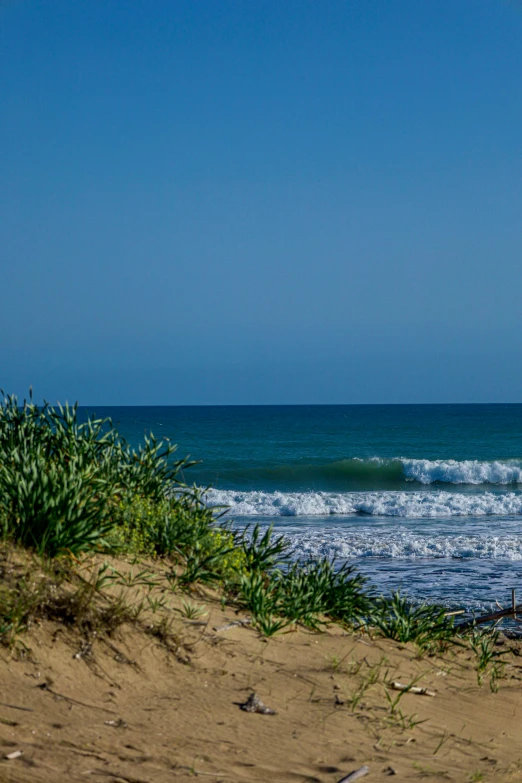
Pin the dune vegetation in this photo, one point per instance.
(110, 558)
(73, 490)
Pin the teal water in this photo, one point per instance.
(425, 497)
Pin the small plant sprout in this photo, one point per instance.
(483, 644)
(156, 604)
(191, 611)
(143, 578)
(269, 626)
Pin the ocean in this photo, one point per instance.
(425, 498)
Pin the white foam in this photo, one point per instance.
(346, 544)
(453, 471)
(422, 504)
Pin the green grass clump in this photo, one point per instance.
(263, 553)
(484, 643)
(61, 480)
(397, 618)
(315, 589)
(71, 487)
(309, 593)
(181, 527)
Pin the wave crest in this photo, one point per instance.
(382, 473)
(462, 472)
(388, 504)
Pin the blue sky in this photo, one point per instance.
(261, 202)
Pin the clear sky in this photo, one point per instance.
(247, 201)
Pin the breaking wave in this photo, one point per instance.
(462, 472)
(419, 504)
(377, 473)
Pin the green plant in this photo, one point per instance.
(184, 528)
(155, 604)
(52, 505)
(129, 579)
(317, 588)
(483, 644)
(161, 526)
(191, 611)
(496, 673)
(397, 715)
(308, 593)
(262, 552)
(406, 721)
(427, 771)
(443, 739)
(268, 625)
(358, 694)
(394, 700)
(257, 595)
(397, 618)
(61, 480)
(17, 604)
(202, 565)
(69, 487)
(365, 682)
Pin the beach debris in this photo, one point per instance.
(358, 773)
(338, 700)
(254, 704)
(14, 755)
(15, 707)
(117, 724)
(398, 686)
(235, 624)
(84, 651)
(486, 618)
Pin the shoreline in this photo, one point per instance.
(135, 625)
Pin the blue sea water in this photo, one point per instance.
(427, 498)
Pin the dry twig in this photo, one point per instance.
(359, 773)
(398, 686)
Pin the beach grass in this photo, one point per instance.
(108, 557)
(72, 489)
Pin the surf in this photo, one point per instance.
(355, 473)
(417, 505)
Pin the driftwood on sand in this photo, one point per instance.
(487, 618)
(235, 624)
(359, 773)
(398, 686)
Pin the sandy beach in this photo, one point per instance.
(260, 391)
(160, 700)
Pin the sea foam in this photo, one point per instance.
(415, 504)
(462, 471)
(363, 543)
